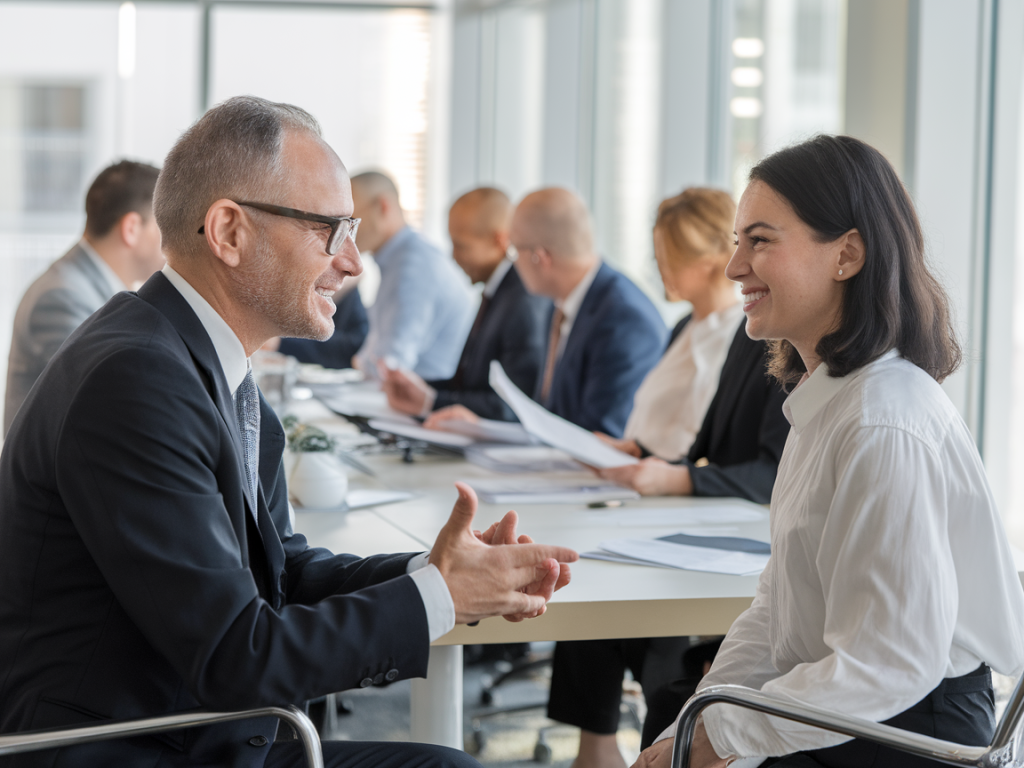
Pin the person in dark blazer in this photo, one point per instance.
(350, 328)
(510, 326)
(735, 452)
(146, 555)
(120, 247)
(604, 334)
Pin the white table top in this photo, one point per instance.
(603, 600)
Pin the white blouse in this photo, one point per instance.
(890, 569)
(670, 404)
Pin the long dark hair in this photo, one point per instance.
(838, 183)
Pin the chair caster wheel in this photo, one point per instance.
(542, 753)
(479, 741)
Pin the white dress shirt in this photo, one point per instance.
(437, 599)
(890, 569)
(108, 274)
(669, 406)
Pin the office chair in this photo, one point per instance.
(32, 741)
(1003, 752)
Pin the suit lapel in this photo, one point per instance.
(159, 292)
(580, 329)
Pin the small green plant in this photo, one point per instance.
(302, 438)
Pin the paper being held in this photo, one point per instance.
(554, 430)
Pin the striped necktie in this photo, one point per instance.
(247, 410)
(549, 365)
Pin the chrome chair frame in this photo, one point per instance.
(32, 741)
(1003, 752)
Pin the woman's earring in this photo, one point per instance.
(840, 273)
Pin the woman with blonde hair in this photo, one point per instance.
(709, 406)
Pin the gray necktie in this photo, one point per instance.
(247, 410)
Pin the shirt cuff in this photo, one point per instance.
(437, 600)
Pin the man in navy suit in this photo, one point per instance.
(147, 562)
(604, 333)
(510, 326)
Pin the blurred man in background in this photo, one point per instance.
(423, 309)
(510, 326)
(119, 250)
(604, 334)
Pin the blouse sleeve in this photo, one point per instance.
(890, 599)
(745, 655)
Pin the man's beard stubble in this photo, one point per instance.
(266, 287)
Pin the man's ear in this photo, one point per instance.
(851, 255)
(227, 230)
(130, 228)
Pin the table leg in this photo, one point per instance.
(437, 701)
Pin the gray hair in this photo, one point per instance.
(234, 152)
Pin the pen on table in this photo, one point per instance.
(604, 504)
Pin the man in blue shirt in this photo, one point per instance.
(423, 311)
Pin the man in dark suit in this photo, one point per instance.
(604, 333)
(147, 562)
(510, 326)
(119, 249)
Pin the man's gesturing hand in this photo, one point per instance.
(491, 579)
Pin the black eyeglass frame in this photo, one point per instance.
(338, 231)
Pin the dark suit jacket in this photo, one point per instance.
(138, 577)
(616, 338)
(350, 329)
(513, 331)
(744, 430)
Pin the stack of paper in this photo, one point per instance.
(712, 554)
(515, 491)
(521, 458)
(489, 431)
(416, 432)
(554, 430)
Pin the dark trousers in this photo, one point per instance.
(586, 677)
(371, 754)
(961, 709)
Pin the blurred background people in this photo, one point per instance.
(510, 325)
(710, 400)
(604, 334)
(119, 250)
(423, 310)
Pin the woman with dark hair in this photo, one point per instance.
(891, 587)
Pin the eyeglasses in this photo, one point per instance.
(341, 226)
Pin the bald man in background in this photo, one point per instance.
(423, 310)
(604, 334)
(510, 326)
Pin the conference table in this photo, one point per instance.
(603, 599)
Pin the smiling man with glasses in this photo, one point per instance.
(146, 556)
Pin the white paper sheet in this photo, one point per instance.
(369, 497)
(688, 558)
(489, 431)
(554, 430)
(364, 400)
(522, 458)
(362, 498)
(663, 517)
(498, 490)
(416, 432)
